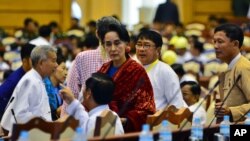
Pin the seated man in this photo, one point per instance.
(98, 93)
(191, 93)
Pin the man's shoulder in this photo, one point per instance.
(243, 63)
(88, 53)
(30, 76)
(135, 65)
(164, 67)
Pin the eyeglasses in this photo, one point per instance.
(146, 46)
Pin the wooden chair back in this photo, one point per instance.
(105, 124)
(38, 129)
(66, 127)
(176, 117)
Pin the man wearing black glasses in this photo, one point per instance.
(165, 82)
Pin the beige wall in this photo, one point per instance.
(95, 9)
(199, 10)
(13, 12)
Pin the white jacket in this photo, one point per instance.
(30, 100)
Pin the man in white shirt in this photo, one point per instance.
(44, 37)
(191, 93)
(29, 98)
(164, 80)
(98, 93)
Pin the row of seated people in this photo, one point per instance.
(179, 119)
(103, 128)
(141, 86)
(133, 120)
(171, 113)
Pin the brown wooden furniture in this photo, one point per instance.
(177, 135)
(175, 116)
(105, 124)
(37, 127)
(44, 130)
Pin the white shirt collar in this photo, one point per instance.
(233, 62)
(37, 74)
(98, 108)
(193, 106)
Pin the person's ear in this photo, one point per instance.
(236, 43)
(88, 94)
(40, 62)
(197, 97)
(25, 60)
(127, 49)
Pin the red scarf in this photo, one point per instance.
(133, 97)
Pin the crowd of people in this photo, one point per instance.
(85, 72)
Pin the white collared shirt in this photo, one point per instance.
(30, 100)
(88, 120)
(166, 86)
(233, 62)
(40, 41)
(199, 113)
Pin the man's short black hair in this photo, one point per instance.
(60, 58)
(53, 24)
(27, 21)
(44, 31)
(233, 32)
(26, 50)
(102, 87)
(91, 41)
(195, 87)
(152, 36)
(92, 23)
(178, 69)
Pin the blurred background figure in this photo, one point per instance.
(91, 27)
(240, 7)
(28, 32)
(52, 85)
(191, 91)
(166, 13)
(43, 38)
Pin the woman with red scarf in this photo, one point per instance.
(133, 97)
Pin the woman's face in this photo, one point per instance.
(115, 47)
(61, 72)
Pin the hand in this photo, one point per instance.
(221, 110)
(66, 94)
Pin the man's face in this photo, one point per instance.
(49, 65)
(188, 96)
(224, 47)
(146, 51)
